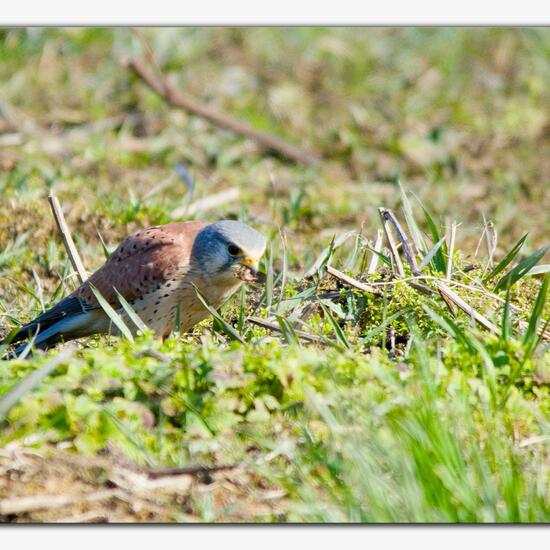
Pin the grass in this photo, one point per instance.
(400, 406)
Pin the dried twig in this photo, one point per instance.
(350, 281)
(183, 101)
(67, 239)
(277, 328)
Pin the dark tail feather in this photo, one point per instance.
(47, 327)
(67, 307)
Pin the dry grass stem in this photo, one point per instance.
(391, 243)
(485, 323)
(207, 203)
(388, 216)
(451, 246)
(350, 281)
(378, 248)
(70, 247)
(272, 326)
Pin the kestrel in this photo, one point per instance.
(156, 270)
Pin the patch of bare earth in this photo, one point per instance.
(61, 487)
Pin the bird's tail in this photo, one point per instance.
(66, 321)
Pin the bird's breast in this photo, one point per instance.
(175, 301)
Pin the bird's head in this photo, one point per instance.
(229, 249)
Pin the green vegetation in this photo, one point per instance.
(404, 407)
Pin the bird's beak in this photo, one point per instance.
(249, 271)
(252, 263)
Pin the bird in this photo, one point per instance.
(158, 271)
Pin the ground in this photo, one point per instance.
(397, 405)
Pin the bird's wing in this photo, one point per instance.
(141, 262)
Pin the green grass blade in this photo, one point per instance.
(287, 331)
(106, 252)
(507, 260)
(136, 319)
(112, 314)
(354, 254)
(439, 262)
(429, 256)
(4, 344)
(227, 328)
(284, 271)
(446, 323)
(383, 257)
(28, 383)
(340, 334)
(530, 338)
(472, 343)
(515, 274)
(416, 233)
(506, 323)
(379, 328)
(269, 278)
(327, 253)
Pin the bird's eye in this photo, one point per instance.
(233, 250)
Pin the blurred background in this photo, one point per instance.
(458, 116)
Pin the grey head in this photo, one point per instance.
(228, 246)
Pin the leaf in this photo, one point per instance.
(352, 258)
(112, 314)
(507, 260)
(29, 345)
(515, 274)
